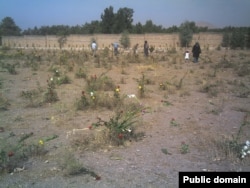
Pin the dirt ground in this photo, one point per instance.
(187, 125)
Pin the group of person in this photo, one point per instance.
(196, 50)
(94, 48)
(116, 45)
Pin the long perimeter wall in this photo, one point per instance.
(80, 42)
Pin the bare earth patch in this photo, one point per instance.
(195, 117)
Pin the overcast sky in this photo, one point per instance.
(220, 13)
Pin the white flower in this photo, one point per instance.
(129, 130)
(245, 147)
(248, 143)
(91, 94)
(132, 96)
(248, 151)
(51, 79)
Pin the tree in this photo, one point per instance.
(108, 19)
(186, 32)
(8, 27)
(123, 20)
(62, 40)
(125, 40)
(149, 26)
(93, 27)
(173, 29)
(248, 38)
(226, 40)
(138, 28)
(237, 39)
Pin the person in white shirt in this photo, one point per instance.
(187, 56)
(94, 47)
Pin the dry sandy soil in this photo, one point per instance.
(209, 105)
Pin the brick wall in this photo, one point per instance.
(79, 42)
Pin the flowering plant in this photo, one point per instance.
(184, 148)
(162, 86)
(50, 94)
(173, 122)
(245, 150)
(117, 92)
(141, 86)
(83, 102)
(121, 125)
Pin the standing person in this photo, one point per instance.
(186, 56)
(196, 52)
(115, 45)
(94, 47)
(135, 49)
(146, 47)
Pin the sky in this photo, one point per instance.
(220, 13)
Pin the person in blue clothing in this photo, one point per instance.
(115, 45)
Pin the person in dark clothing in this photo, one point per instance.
(146, 47)
(196, 52)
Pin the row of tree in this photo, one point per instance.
(110, 23)
(122, 21)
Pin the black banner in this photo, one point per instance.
(216, 179)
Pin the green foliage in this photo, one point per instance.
(64, 79)
(226, 40)
(71, 166)
(102, 82)
(62, 40)
(125, 40)
(4, 103)
(50, 94)
(81, 73)
(32, 96)
(9, 27)
(233, 147)
(138, 28)
(248, 38)
(15, 150)
(184, 148)
(99, 99)
(11, 68)
(141, 86)
(150, 27)
(83, 103)
(174, 123)
(244, 69)
(237, 39)
(59, 78)
(123, 20)
(186, 31)
(108, 19)
(151, 48)
(121, 126)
